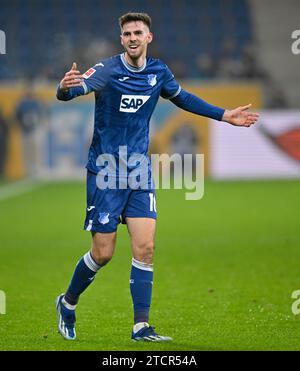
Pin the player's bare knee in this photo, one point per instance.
(102, 253)
(101, 257)
(144, 252)
(103, 248)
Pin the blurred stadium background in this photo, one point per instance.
(229, 52)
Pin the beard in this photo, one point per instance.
(135, 53)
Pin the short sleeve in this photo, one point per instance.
(95, 78)
(170, 87)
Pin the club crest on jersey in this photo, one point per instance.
(89, 73)
(132, 103)
(152, 80)
(103, 218)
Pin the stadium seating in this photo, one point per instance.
(38, 32)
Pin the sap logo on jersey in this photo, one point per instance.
(132, 103)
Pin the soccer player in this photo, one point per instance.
(126, 87)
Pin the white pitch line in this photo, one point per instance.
(17, 188)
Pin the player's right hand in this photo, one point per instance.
(72, 78)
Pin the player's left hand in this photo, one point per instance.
(240, 116)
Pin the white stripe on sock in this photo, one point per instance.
(90, 262)
(67, 305)
(141, 265)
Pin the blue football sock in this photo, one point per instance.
(141, 280)
(83, 276)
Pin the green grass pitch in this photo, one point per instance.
(225, 269)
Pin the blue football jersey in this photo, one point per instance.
(125, 98)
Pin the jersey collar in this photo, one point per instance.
(132, 68)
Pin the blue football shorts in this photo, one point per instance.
(106, 208)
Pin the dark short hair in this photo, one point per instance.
(134, 17)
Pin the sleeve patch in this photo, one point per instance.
(89, 73)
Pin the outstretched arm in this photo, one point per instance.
(238, 117)
(191, 103)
